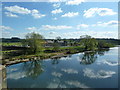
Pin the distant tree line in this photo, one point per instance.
(16, 39)
(36, 43)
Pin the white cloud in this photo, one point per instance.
(50, 27)
(31, 28)
(74, 2)
(9, 14)
(56, 74)
(52, 32)
(82, 26)
(70, 71)
(5, 34)
(104, 24)
(34, 11)
(18, 9)
(36, 14)
(55, 18)
(56, 5)
(70, 14)
(96, 34)
(100, 74)
(54, 0)
(5, 28)
(76, 84)
(98, 11)
(56, 11)
(21, 10)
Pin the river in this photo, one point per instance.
(81, 70)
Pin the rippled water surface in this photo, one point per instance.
(82, 70)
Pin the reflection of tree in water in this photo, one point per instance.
(102, 51)
(55, 60)
(90, 57)
(33, 68)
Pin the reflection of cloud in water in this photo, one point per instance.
(100, 74)
(65, 58)
(56, 74)
(9, 70)
(76, 84)
(114, 48)
(16, 75)
(78, 58)
(62, 58)
(52, 85)
(108, 63)
(62, 86)
(56, 83)
(70, 71)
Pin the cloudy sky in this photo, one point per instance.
(68, 19)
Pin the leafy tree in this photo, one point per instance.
(88, 42)
(103, 44)
(58, 38)
(56, 45)
(34, 41)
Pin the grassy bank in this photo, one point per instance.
(62, 51)
(25, 58)
(17, 56)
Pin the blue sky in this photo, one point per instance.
(69, 19)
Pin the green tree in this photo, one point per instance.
(56, 46)
(58, 38)
(103, 44)
(88, 42)
(34, 41)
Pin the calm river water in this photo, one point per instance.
(81, 70)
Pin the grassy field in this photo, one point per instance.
(11, 44)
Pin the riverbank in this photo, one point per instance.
(25, 58)
(48, 53)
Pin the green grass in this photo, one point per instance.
(11, 44)
(9, 51)
(71, 47)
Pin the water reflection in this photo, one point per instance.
(102, 51)
(33, 68)
(76, 84)
(98, 74)
(55, 60)
(67, 72)
(90, 57)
